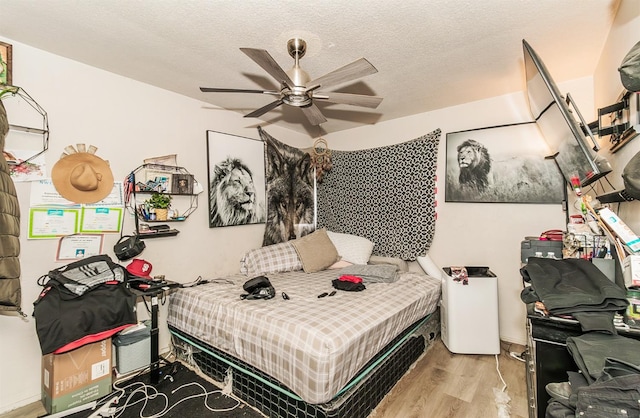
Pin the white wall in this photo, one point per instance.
(128, 121)
(624, 33)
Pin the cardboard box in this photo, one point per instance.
(620, 228)
(76, 377)
(631, 270)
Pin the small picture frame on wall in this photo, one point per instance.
(182, 184)
(6, 58)
(158, 180)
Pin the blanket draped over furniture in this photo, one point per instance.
(385, 194)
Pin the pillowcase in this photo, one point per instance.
(316, 251)
(430, 267)
(352, 248)
(274, 258)
(402, 265)
(340, 264)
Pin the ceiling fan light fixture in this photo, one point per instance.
(296, 96)
(293, 83)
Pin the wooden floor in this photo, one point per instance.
(446, 385)
(440, 385)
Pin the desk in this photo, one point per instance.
(153, 293)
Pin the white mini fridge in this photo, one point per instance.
(469, 313)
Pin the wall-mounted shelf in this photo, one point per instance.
(174, 181)
(15, 91)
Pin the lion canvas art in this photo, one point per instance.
(232, 194)
(236, 184)
(502, 164)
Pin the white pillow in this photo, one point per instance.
(352, 248)
(430, 267)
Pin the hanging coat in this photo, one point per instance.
(10, 297)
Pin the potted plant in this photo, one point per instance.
(160, 203)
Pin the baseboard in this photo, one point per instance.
(19, 404)
(513, 340)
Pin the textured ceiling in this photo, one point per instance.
(430, 54)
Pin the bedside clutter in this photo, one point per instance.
(571, 328)
(132, 348)
(76, 377)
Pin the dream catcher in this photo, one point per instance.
(321, 158)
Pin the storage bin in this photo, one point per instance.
(132, 350)
(469, 313)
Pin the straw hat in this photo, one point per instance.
(82, 177)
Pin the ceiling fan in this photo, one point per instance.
(296, 87)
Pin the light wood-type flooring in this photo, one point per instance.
(440, 385)
(446, 385)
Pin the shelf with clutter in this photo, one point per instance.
(160, 193)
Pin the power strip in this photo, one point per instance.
(107, 409)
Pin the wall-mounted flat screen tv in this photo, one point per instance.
(566, 137)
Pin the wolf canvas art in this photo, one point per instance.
(290, 192)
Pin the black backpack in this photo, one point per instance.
(84, 301)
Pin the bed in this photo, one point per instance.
(307, 356)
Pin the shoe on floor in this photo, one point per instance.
(560, 390)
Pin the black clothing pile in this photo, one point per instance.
(608, 384)
(574, 287)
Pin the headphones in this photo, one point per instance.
(128, 246)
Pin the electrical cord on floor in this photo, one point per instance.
(150, 393)
(502, 398)
(515, 355)
(519, 357)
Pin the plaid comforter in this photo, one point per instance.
(312, 345)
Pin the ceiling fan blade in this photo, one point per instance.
(264, 109)
(356, 69)
(314, 114)
(350, 99)
(223, 90)
(266, 61)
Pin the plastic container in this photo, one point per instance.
(133, 350)
(469, 313)
(633, 310)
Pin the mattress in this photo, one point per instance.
(314, 346)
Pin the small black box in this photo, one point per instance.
(529, 248)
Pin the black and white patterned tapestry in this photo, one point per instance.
(385, 194)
